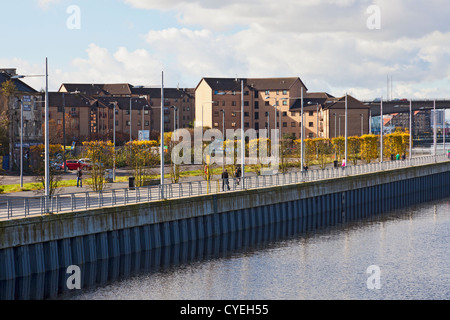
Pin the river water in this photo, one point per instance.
(409, 248)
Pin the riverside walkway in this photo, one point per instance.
(18, 208)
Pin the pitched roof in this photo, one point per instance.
(69, 100)
(155, 93)
(97, 89)
(339, 103)
(21, 86)
(260, 84)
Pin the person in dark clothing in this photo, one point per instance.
(237, 175)
(225, 180)
(79, 178)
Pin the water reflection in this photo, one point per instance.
(254, 258)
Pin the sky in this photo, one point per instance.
(334, 46)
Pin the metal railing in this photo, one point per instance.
(27, 207)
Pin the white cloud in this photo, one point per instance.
(44, 4)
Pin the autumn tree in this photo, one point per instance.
(324, 148)
(101, 154)
(354, 149)
(38, 152)
(338, 144)
(369, 147)
(140, 158)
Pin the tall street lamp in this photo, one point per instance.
(302, 127)
(223, 144)
(47, 179)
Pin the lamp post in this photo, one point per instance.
(410, 129)
(162, 136)
(21, 144)
(223, 144)
(435, 128)
(381, 128)
(47, 160)
(114, 141)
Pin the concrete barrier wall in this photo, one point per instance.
(48, 243)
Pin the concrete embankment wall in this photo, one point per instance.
(40, 244)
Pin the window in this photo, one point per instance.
(267, 104)
(233, 103)
(256, 115)
(284, 114)
(233, 114)
(216, 124)
(246, 124)
(128, 123)
(311, 135)
(285, 103)
(311, 124)
(117, 123)
(293, 124)
(246, 103)
(268, 93)
(285, 92)
(284, 124)
(59, 122)
(233, 124)
(311, 113)
(146, 112)
(256, 105)
(216, 113)
(246, 114)
(127, 112)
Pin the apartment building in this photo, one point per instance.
(179, 105)
(83, 117)
(22, 108)
(261, 98)
(277, 103)
(333, 117)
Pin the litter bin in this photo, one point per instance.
(131, 183)
(336, 164)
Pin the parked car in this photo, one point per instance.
(85, 164)
(71, 165)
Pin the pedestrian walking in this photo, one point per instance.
(305, 168)
(79, 178)
(398, 156)
(237, 175)
(225, 181)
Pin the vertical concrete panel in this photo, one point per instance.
(200, 228)
(7, 264)
(208, 224)
(165, 234)
(174, 233)
(65, 253)
(135, 240)
(156, 236)
(113, 244)
(90, 248)
(183, 230)
(78, 255)
(102, 245)
(145, 238)
(216, 224)
(51, 255)
(125, 241)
